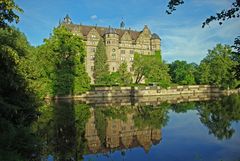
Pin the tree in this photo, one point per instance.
(139, 67)
(7, 13)
(18, 101)
(124, 77)
(236, 57)
(216, 67)
(101, 68)
(61, 67)
(151, 68)
(233, 12)
(182, 72)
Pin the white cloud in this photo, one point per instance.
(189, 41)
(94, 17)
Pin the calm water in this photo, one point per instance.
(141, 129)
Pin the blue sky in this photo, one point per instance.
(181, 33)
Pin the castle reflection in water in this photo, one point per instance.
(120, 134)
(76, 129)
(124, 134)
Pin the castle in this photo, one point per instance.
(121, 43)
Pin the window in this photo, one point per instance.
(122, 58)
(93, 50)
(93, 36)
(108, 42)
(131, 59)
(113, 68)
(122, 51)
(92, 68)
(131, 51)
(92, 57)
(113, 56)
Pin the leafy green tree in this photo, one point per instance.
(101, 68)
(151, 68)
(158, 73)
(236, 57)
(62, 70)
(7, 13)
(125, 77)
(18, 101)
(216, 67)
(182, 72)
(139, 67)
(226, 14)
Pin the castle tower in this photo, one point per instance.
(112, 44)
(155, 42)
(122, 24)
(67, 20)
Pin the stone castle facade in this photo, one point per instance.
(121, 43)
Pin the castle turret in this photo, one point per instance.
(155, 42)
(67, 20)
(122, 25)
(112, 43)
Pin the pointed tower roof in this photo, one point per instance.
(67, 19)
(122, 24)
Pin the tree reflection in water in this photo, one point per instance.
(70, 130)
(218, 115)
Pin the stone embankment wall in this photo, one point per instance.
(101, 92)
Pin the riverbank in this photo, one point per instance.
(102, 92)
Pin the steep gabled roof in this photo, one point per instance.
(84, 29)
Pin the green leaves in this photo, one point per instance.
(101, 68)
(182, 72)
(61, 64)
(7, 12)
(125, 77)
(217, 67)
(151, 68)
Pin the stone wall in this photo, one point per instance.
(113, 92)
(100, 92)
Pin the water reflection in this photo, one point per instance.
(71, 130)
(219, 115)
(124, 127)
